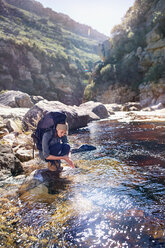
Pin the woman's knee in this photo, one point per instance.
(65, 149)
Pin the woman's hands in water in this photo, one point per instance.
(68, 160)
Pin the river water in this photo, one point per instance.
(114, 198)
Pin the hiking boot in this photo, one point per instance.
(52, 166)
(55, 166)
(58, 165)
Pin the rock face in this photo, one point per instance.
(152, 93)
(44, 53)
(25, 71)
(9, 164)
(133, 60)
(117, 94)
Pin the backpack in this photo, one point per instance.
(48, 122)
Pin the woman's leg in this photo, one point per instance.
(58, 150)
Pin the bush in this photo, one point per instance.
(154, 73)
(89, 92)
(107, 72)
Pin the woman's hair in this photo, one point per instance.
(63, 127)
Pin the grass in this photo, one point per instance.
(52, 39)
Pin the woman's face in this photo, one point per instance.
(61, 133)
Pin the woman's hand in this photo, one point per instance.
(69, 161)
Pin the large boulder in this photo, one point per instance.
(97, 108)
(9, 164)
(76, 117)
(15, 99)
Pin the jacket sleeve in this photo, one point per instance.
(45, 144)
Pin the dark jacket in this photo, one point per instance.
(48, 140)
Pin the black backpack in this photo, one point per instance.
(48, 122)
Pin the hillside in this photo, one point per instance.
(58, 18)
(133, 59)
(41, 56)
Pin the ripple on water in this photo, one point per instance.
(107, 202)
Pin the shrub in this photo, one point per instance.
(89, 92)
(107, 72)
(154, 73)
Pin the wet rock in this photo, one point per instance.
(50, 179)
(84, 148)
(9, 164)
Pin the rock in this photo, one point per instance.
(24, 155)
(3, 129)
(12, 113)
(47, 178)
(131, 106)
(9, 164)
(116, 94)
(15, 99)
(157, 106)
(76, 117)
(152, 93)
(12, 126)
(96, 107)
(113, 107)
(36, 99)
(84, 148)
(9, 139)
(34, 63)
(161, 99)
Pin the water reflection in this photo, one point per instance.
(115, 198)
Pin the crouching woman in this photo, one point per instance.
(55, 147)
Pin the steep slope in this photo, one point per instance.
(40, 57)
(133, 60)
(62, 19)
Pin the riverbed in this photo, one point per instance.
(115, 197)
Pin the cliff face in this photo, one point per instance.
(41, 57)
(28, 70)
(133, 60)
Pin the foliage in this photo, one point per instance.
(121, 63)
(89, 91)
(159, 20)
(127, 72)
(154, 73)
(107, 72)
(45, 37)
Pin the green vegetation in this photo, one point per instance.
(154, 73)
(53, 40)
(120, 63)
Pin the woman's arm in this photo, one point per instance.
(66, 158)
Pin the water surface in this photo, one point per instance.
(115, 198)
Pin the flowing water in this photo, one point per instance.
(114, 198)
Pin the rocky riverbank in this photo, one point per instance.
(19, 114)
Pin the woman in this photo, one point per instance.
(55, 147)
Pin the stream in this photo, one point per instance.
(114, 198)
